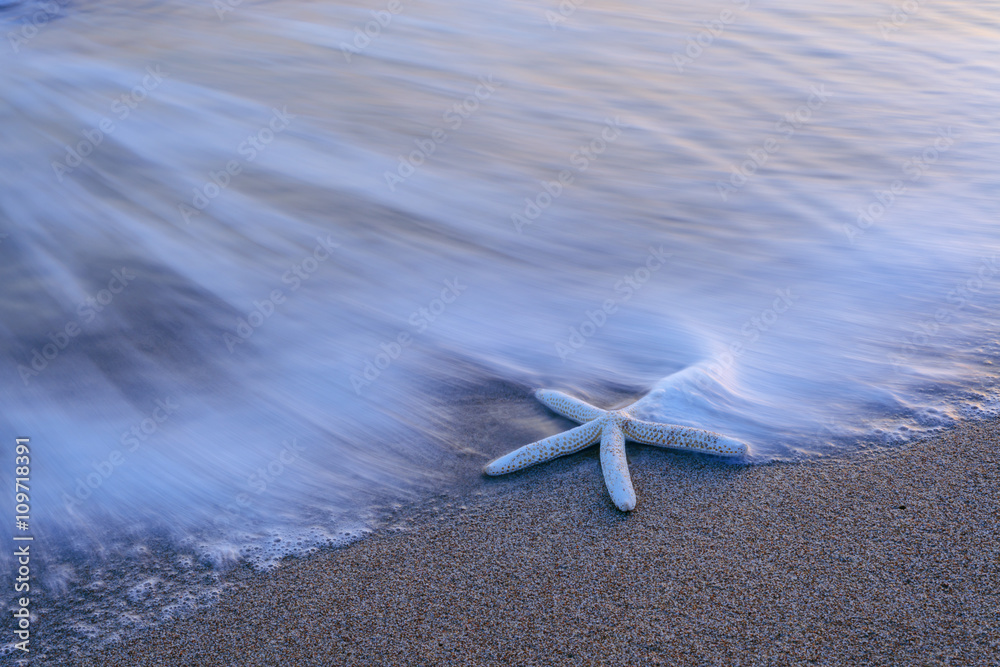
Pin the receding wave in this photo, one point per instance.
(272, 267)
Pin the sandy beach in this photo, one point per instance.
(888, 558)
(280, 277)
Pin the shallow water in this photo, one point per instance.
(254, 259)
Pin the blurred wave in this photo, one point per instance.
(260, 258)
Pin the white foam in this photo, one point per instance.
(276, 447)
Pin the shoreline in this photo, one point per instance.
(888, 557)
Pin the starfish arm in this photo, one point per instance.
(567, 406)
(615, 467)
(544, 450)
(682, 437)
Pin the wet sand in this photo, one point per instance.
(890, 558)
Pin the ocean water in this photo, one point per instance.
(271, 267)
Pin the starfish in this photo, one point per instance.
(612, 428)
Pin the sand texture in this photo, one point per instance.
(887, 558)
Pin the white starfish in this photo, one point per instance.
(612, 428)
